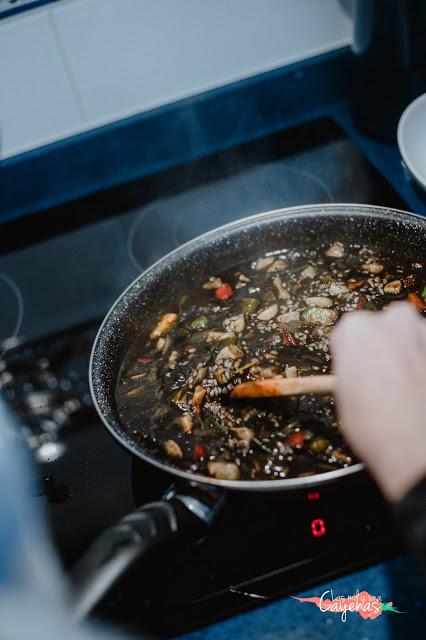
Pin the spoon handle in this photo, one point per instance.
(279, 386)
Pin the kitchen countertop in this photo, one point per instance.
(395, 581)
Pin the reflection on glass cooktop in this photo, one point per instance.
(309, 165)
(102, 242)
(175, 220)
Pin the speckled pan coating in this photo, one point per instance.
(392, 232)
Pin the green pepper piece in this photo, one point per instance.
(168, 343)
(249, 306)
(199, 337)
(221, 426)
(424, 293)
(293, 326)
(323, 467)
(225, 342)
(153, 373)
(319, 445)
(370, 306)
(200, 323)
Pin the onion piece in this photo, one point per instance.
(268, 313)
(224, 470)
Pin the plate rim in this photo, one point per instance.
(404, 119)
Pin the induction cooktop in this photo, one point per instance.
(56, 288)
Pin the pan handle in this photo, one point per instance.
(187, 515)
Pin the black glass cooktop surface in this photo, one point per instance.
(71, 263)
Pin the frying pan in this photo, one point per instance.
(191, 509)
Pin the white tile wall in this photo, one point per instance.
(114, 58)
(37, 103)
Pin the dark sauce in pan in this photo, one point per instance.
(271, 316)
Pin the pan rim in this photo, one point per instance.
(339, 209)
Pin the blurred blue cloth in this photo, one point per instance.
(284, 619)
(33, 603)
(24, 549)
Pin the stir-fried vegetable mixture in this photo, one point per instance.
(268, 317)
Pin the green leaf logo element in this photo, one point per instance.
(388, 607)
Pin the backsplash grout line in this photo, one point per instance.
(70, 74)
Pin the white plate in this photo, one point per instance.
(412, 139)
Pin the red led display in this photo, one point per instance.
(318, 528)
(314, 495)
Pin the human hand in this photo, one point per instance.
(380, 362)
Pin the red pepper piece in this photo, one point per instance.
(409, 281)
(361, 303)
(289, 339)
(224, 292)
(198, 452)
(295, 439)
(416, 301)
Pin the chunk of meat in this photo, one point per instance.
(198, 397)
(319, 316)
(319, 301)
(236, 323)
(393, 287)
(264, 263)
(282, 292)
(186, 422)
(230, 352)
(224, 470)
(290, 316)
(167, 321)
(213, 283)
(173, 450)
(244, 435)
(335, 251)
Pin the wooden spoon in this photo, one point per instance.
(279, 386)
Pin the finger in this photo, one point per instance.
(406, 325)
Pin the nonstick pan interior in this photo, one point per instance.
(308, 227)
